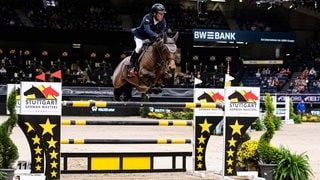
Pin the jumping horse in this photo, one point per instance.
(156, 61)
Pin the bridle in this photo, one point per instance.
(171, 47)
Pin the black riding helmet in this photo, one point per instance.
(158, 8)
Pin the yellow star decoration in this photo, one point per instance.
(53, 154)
(199, 165)
(38, 159)
(229, 161)
(230, 152)
(205, 126)
(36, 140)
(52, 143)
(229, 170)
(200, 149)
(38, 150)
(30, 128)
(53, 174)
(38, 168)
(47, 127)
(201, 139)
(232, 142)
(236, 128)
(199, 157)
(54, 164)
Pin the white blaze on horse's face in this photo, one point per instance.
(172, 60)
(172, 47)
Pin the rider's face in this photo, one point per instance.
(158, 16)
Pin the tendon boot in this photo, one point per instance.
(133, 59)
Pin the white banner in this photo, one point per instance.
(206, 95)
(242, 101)
(41, 98)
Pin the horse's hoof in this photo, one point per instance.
(158, 90)
(116, 99)
(155, 90)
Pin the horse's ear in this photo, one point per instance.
(164, 37)
(175, 37)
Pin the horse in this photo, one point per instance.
(34, 92)
(156, 61)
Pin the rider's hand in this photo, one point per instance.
(157, 38)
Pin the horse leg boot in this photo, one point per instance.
(133, 59)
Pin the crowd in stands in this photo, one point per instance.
(20, 66)
(84, 15)
(307, 81)
(103, 15)
(269, 79)
(273, 80)
(26, 68)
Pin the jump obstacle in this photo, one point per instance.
(141, 104)
(136, 161)
(147, 158)
(102, 162)
(126, 161)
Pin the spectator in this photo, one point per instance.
(258, 74)
(313, 72)
(301, 107)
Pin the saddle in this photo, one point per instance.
(145, 45)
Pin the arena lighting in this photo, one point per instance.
(202, 6)
(271, 6)
(291, 4)
(76, 46)
(213, 0)
(48, 3)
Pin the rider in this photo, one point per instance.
(151, 27)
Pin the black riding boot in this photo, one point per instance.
(133, 59)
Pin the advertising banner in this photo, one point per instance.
(40, 98)
(214, 35)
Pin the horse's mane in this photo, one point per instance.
(157, 49)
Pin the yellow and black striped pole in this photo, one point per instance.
(130, 123)
(189, 105)
(126, 141)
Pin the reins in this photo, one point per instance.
(163, 61)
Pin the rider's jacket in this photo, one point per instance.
(148, 29)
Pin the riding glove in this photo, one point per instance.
(157, 38)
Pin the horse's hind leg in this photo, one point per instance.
(117, 94)
(127, 92)
(124, 93)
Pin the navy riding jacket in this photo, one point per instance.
(147, 28)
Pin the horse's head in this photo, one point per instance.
(171, 49)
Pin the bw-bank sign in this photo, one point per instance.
(212, 35)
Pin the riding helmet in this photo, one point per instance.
(158, 8)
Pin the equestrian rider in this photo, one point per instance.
(151, 27)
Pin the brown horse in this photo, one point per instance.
(155, 62)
